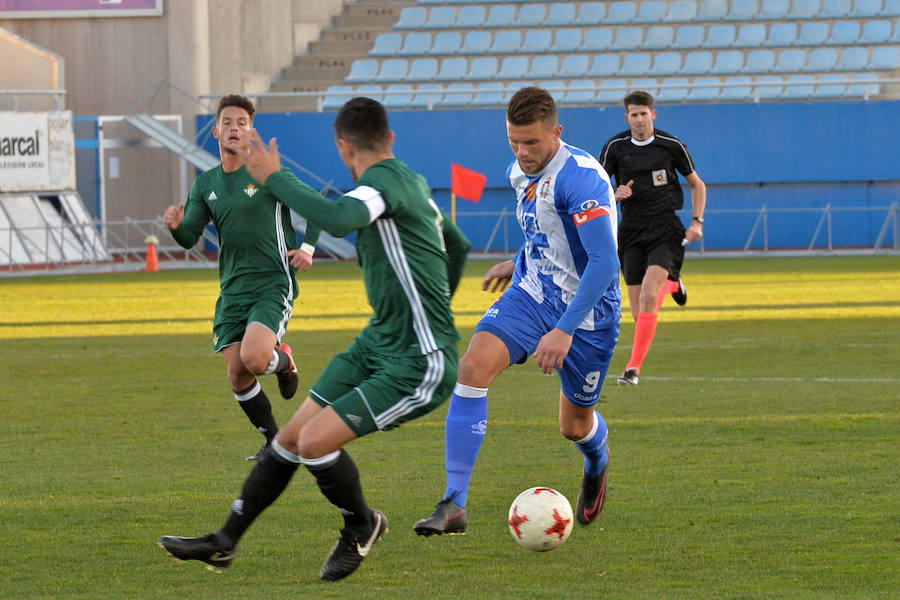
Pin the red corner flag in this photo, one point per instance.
(466, 183)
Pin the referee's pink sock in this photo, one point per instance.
(668, 287)
(644, 330)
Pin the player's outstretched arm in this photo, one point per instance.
(498, 277)
(458, 246)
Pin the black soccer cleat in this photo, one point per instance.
(680, 295)
(629, 377)
(351, 549)
(206, 549)
(447, 518)
(288, 380)
(591, 497)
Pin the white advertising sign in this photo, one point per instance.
(37, 151)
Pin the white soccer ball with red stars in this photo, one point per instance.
(540, 519)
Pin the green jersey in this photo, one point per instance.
(411, 255)
(254, 229)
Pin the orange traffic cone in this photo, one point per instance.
(152, 261)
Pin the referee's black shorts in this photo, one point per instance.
(655, 241)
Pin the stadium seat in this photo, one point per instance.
(375, 92)
(583, 92)
(531, 15)
(802, 10)
(458, 95)
(537, 41)
(666, 63)
(417, 43)
(591, 13)
(769, 87)
(422, 69)
(636, 64)
(759, 61)
(545, 65)
(628, 38)
(705, 89)
(834, 9)
(865, 85)
(336, 96)
(830, 86)
(612, 91)
(813, 33)
(688, 37)
(362, 70)
(659, 37)
(895, 39)
(712, 10)
(854, 59)
(821, 60)
(506, 41)
(728, 62)
(865, 9)
(597, 39)
(387, 44)
(604, 65)
(673, 89)
(454, 68)
(440, 17)
(790, 61)
(774, 10)
(743, 10)
(883, 58)
(412, 17)
(400, 98)
(751, 35)
(719, 36)
(875, 32)
(799, 86)
(891, 9)
(681, 11)
(648, 85)
(393, 69)
(491, 93)
(574, 66)
(737, 88)
(698, 62)
(501, 15)
(471, 16)
(476, 42)
(513, 67)
(446, 42)
(651, 11)
(844, 33)
(782, 34)
(566, 40)
(560, 15)
(621, 12)
(483, 67)
(428, 95)
(556, 89)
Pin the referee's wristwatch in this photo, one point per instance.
(698, 219)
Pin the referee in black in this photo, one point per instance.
(645, 163)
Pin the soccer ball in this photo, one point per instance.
(540, 519)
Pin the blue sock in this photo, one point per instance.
(466, 426)
(593, 446)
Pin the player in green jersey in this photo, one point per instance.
(401, 366)
(258, 258)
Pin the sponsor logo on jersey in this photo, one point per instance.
(592, 213)
(545, 188)
(589, 204)
(659, 177)
(212, 196)
(250, 190)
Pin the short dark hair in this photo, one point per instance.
(530, 105)
(364, 123)
(640, 98)
(235, 100)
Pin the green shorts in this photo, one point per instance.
(374, 392)
(272, 308)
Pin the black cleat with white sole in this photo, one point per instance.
(447, 518)
(206, 549)
(680, 295)
(629, 377)
(351, 549)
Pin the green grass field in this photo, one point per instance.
(758, 458)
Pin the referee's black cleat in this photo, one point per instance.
(447, 518)
(629, 377)
(206, 549)
(288, 380)
(351, 549)
(680, 295)
(591, 498)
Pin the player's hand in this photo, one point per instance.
(173, 216)
(261, 160)
(552, 350)
(624, 191)
(694, 232)
(300, 259)
(498, 277)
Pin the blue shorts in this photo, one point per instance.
(520, 322)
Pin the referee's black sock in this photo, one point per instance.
(339, 482)
(258, 409)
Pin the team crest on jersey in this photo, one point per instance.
(250, 190)
(587, 215)
(212, 196)
(659, 177)
(545, 188)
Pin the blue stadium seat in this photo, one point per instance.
(597, 39)
(759, 61)
(834, 9)
(636, 64)
(743, 10)
(375, 92)
(476, 42)
(769, 87)
(681, 11)
(545, 65)
(875, 32)
(697, 62)
(782, 34)
(854, 59)
(400, 98)
(621, 12)
(574, 66)
(458, 95)
(891, 9)
(501, 15)
(802, 10)
(866, 9)
(799, 86)
(566, 40)
(491, 93)
(628, 38)
(666, 63)
(651, 11)
(647, 84)
(439, 17)
(688, 37)
(560, 15)
(705, 89)
(673, 89)
(612, 91)
(513, 67)
(719, 36)
(393, 69)
(830, 86)
(336, 96)
(605, 65)
(591, 13)
(751, 35)
(387, 44)
(659, 37)
(417, 43)
(423, 69)
(537, 41)
(584, 94)
(895, 39)
(813, 33)
(791, 60)
(506, 41)
(844, 33)
(555, 88)
(728, 62)
(774, 10)
(362, 70)
(864, 85)
(412, 17)
(883, 58)
(712, 10)
(483, 67)
(454, 68)
(447, 42)
(531, 15)
(821, 60)
(428, 95)
(471, 16)
(737, 88)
